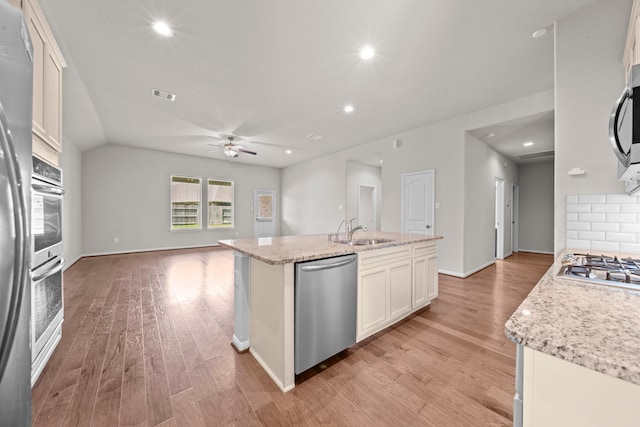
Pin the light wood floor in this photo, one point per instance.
(146, 343)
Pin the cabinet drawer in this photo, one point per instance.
(383, 257)
(424, 249)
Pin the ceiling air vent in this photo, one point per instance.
(535, 155)
(314, 136)
(164, 95)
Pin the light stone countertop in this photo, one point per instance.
(287, 249)
(592, 325)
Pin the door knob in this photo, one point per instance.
(428, 226)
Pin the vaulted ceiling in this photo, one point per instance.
(277, 71)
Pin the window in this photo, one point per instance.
(220, 197)
(185, 202)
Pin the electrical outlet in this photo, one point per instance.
(116, 240)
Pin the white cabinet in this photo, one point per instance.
(384, 288)
(425, 274)
(560, 393)
(47, 85)
(632, 47)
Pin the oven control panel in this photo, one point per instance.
(46, 171)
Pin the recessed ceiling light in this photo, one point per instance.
(348, 109)
(162, 28)
(381, 161)
(314, 136)
(489, 135)
(367, 52)
(539, 33)
(528, 144)
(288, 151)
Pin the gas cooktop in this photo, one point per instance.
(607, 270)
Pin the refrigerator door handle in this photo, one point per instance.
(21, 249)
(327, 266)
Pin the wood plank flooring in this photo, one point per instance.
(146, 342)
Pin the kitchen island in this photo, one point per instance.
(581, 358)
(264, 289)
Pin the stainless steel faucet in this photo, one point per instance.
(351, 230)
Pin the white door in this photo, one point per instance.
(515, 213)
(499, 219)
(367, 206)
(417, 202)
(264, 212)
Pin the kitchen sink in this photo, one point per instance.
(364, 242)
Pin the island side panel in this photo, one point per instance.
(272, 320)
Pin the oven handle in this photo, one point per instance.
(48, 272)
(45, 188)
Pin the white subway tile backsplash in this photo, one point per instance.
(630, 208)
(592, 235)
(606, 246)
(614, 208)
(578, 208)
(588, 198)
(630, 228)
(605, 226)
(621, 198)
(603, 222)
(621, 237)
(579, 244)
(592, 217)
(622, 217)
(580, 226)
(632, 248)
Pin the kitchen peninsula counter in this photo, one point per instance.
(264, 289)
(594, 327)
(287, 249)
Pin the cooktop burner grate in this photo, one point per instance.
(603, 269)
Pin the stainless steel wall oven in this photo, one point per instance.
(46, 263)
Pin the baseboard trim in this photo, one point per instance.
(536, 252)
(468, 273)
(69, 264)
(450, 273)
(271, 374)
(132, 251)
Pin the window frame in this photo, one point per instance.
(232, 226)
(198, 226)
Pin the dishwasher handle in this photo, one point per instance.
(319, 267)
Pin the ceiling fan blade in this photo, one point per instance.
(242, 150)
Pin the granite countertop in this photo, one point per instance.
(592, 325)
(287, 249)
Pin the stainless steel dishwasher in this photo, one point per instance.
(325, 309)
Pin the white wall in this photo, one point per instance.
(312, 191)
(589, 76)
(536, 207)
(361, 174)
(71, 164)
(483, 165)
(125, 194)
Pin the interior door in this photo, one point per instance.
(367, 206)
(417, 202)
(264, 211)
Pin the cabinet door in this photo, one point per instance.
(399, 290)
(372, 302)
(432, 277)
(52, 99)
(420, 282)
(38, 41)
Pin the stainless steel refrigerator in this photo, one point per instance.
(16, 71)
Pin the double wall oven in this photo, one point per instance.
(46, 263)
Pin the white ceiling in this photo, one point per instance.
(276, 71)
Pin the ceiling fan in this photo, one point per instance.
(231, 149)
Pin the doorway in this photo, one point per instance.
(366, 209)
(499, 219)
(417, 203)
(264, 211)
(515, 214)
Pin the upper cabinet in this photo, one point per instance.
(47, 85)
(632, 46)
